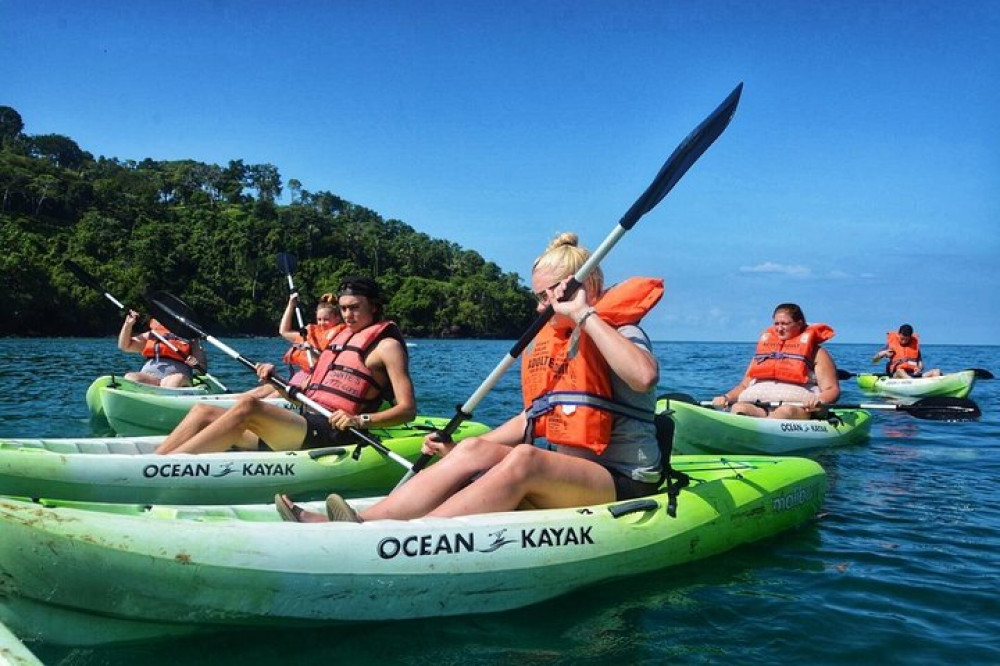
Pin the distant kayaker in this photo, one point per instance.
(588, 384)
(788, 365)
(170, 359)
(304, 352)
(902, 350)
(364, 366)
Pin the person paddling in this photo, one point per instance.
(788, 365)
(364, 367)
(902, 351)
(170, 359)
(588, 383)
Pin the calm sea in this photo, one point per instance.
(902, 566)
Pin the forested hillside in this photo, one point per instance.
(210, 234)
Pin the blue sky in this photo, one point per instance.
(860, 177)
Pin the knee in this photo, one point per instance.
(245, 405)
(175, 380)
(521, 464)
(204, 413)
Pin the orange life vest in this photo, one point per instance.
(317, 339)
(791, 360)
(903, 356)
(156, 349)
(341, 380)
(565, 381)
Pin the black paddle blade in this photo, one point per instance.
(943, 409)
(83, 276)
(686, 154)
(286, 263)
(169, 308)
(844, 374)
(678, 397)
(982, 373)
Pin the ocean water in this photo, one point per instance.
(902, 565)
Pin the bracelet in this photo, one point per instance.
(582, 320)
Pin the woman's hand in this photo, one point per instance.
(575, 307)
(264, 371)
(435, 447)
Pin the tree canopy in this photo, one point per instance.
(210, 234)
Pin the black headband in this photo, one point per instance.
(358, 286)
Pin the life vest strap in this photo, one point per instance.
(546, 403)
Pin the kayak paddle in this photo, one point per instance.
(683, 157)
(174, 311)
(938, 408)
(89, 280)
(287, 263)
(980, 373)
(931, 409)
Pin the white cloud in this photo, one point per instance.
(771, 267)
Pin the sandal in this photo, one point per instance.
(339, 511)
(288, 510)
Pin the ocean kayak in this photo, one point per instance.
(169, 569)
(117, 469)
(97, 387)
(700, 429)
(133, 414)
(953, 385)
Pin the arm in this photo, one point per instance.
(826, 378)
(126, 341)
(733, 395)
(633, 364)
(198, 352)
(288, 328)
(882, 353)
(391, 354)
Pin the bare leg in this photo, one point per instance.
(280, 428)
(748, 409)
(546, 479)
(142, 378)
(428, 489)
(790, 412)
(263, 391)
(176, 380)
(197, 419)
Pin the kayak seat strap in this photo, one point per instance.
(675, 479)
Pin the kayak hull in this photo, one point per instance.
(953, 385)
(116, 469)
(700, 430)
(224, 567)
(96, 389)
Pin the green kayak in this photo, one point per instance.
(953, 385)
(705, 430)
(202, 385)
(117, 469)
(164, 570)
